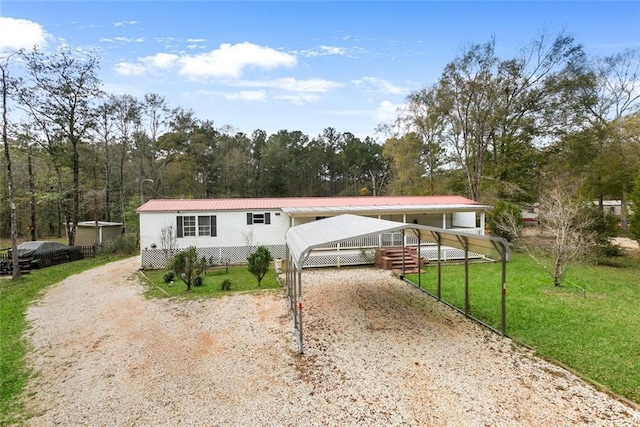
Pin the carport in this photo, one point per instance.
(303, 239)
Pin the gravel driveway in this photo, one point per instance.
(378, 353)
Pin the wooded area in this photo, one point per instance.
(490, 129)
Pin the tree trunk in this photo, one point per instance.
(12, 203)
(623, 208)
(75, 209)
(32, 195)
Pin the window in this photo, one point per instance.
(191, 226)
(258, 218)
(188, 226)
(204, 226)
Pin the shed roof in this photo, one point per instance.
(100, 224)
(304, 238)
(300, 205)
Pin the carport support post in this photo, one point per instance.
(439, 238)
(466, 277)
(419, 262)
(504, 295)
(299, 308)
(403, 248)
(465, 243)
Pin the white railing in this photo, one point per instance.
(388, 239)
(355, 251)
(362, 242)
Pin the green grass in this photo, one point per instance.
(15, 297)
(241, 281)
(590, 324)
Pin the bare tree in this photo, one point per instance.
(168, 243)
(58, 91)
(4, 70)
(564, 230)
(616, 95)
(126, 110)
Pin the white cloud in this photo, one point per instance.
(228, 61)
(291, 84)
(387, 110)
(295, 91)
(21, 34)
(246, 95)
(333, 50)
(287, 89)
(299, 99)
(196, 40)
(322, 51)
(124, 23)
(164, 39)
(379, 85)
(160, 60)
(122, 40)
(231, 60)
(129, 69)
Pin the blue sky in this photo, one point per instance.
(299, 65)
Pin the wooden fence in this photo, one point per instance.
(45, 260)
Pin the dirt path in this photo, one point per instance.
(378, 352)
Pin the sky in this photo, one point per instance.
(299, 65)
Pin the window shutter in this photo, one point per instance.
(267, 218)
(214, 228)
(179, 227)
(249, 218)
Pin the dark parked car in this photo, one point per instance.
(43, 254)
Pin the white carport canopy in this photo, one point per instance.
(303, 239)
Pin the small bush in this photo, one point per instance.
(259, 262)
(226, 285)
(169, 276)
(506, 221)
(610, 250)
(187, 266)
(197, 281)
(124, 244)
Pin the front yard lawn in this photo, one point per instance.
(590, 324)
(239, 276)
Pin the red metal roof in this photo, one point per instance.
(171, 205)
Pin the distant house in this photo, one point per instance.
(530, 214)
(227, 229)
(92, 233)
(613, 207)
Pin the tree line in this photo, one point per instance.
(489, 128)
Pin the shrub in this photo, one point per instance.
(506, 221)
(168, 276)
(187, 266)
(197, 281)
(124, 244)
(226, 285)
(634, 223)
(603, 228)
(259, 262)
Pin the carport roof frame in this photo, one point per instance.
(303, 239)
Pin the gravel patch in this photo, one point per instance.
(377, 353)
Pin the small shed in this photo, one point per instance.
(90, 233)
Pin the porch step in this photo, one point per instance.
(392, 259)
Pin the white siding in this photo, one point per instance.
(464, 219)
(232, 229)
